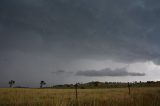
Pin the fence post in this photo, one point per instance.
(129, 88)
(76, 87)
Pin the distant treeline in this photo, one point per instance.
(97, 84)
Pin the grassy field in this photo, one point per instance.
(86, 97)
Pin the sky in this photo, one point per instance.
(69, 41)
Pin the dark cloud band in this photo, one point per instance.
(108, 72)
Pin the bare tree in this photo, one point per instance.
(42, 83)
(11, 83)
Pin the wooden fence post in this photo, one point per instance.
(76, 87)
(129, 89)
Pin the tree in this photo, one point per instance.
(42, 83)
(11, 83)
(96, 83)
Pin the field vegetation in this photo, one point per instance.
(142, 96)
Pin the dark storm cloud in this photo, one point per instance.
(124, 30)
(47, 32)
(108, 72)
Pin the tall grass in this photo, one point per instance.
(86, 97)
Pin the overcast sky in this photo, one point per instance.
(68, 41)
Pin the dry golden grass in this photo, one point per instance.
(86, 97)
